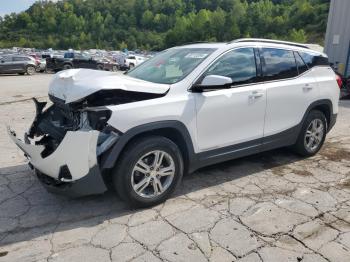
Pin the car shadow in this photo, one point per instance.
(27, 211)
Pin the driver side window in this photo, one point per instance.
(238, 64)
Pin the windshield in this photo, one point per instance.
(170, 66)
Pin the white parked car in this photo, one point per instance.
(187, 107)
(134, 60)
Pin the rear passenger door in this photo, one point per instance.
(290, 89)
(18, 63)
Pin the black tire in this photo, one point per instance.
(30, 70)
(67, 66)
(114, 68)
(100, 67)
(300, 146)
(131, 66)
(123, 171)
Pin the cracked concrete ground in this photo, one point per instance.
(273, 206)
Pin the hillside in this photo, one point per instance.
(157, 24)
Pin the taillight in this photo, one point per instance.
(339, 81)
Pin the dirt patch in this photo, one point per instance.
(302, 172)
(345, 184)
(333, 152)
(279, 170)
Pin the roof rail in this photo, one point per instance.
(242, 40)
(195, 42)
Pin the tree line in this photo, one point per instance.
(158, 24)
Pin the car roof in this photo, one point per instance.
(254, 42)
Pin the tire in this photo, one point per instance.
(304, 145)
(114, 68)
(67, 66)
(131, 66)
(126, 178)
(100, 67)
(30, 70)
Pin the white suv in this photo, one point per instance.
(132, 60)
(187, 107)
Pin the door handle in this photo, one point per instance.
(307, 87)
(256, 94)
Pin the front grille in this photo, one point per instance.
(70, 118)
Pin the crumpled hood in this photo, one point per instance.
(75, 84)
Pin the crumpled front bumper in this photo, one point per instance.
(72, 169)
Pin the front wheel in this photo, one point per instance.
(312, 134)
(149, 171)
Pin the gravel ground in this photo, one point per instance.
(273, 206)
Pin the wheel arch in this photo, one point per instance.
(325, 106)
(68, 63)
(172, 129)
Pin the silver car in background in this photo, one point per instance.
(18, 64)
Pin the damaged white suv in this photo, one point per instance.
(188, 107)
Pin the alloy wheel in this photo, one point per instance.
(314, 135)
(153, 174)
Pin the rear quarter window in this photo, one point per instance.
(314, 60)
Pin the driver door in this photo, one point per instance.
(232, 116)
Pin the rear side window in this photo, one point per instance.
(238, 64)
(278, 64)
(302, 67)
(314, 60)
(18, 58)
(69, 55)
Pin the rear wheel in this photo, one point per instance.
(312, 134)
(114, 68)
(30, 70)
(149, 171)
(100, 67)
(131, 66)
(67, 66)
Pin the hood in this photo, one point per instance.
(75, 84)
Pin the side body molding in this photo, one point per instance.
(202, 159)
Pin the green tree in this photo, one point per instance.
(158, 24)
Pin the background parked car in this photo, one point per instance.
(73, 60)
(42, 66)
(108, 64)
(134, 60)
(20, 64)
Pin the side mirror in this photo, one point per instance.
(212, 82)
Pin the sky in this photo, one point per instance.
(9, 6)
